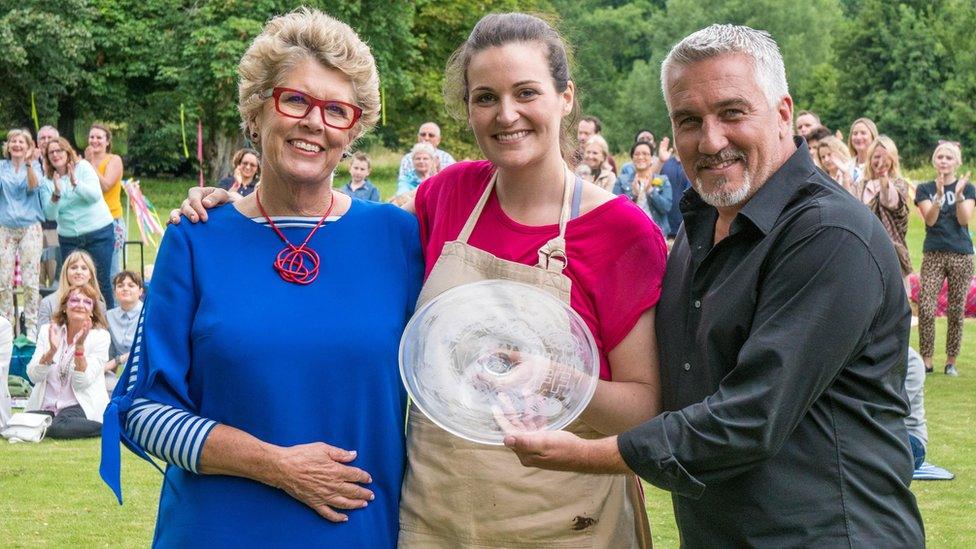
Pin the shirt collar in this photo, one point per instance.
(765, 207)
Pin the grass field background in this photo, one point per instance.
(50, 494)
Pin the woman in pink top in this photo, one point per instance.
(521, 215)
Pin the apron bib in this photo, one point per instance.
(458, 493)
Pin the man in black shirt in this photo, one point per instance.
(782, 327)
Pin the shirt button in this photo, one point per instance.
(698, 304)
(687, 366)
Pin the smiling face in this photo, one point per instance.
(57, 156)
(97, 140)
(422, 163)
(728, 137)
(594, 157)
(17, 147)
(642, 157)
(127, 293)
(513, 106)
(249, 165)
(305, 151)
(78, 274)
(861, 137)
(880, 162)
(79, 307)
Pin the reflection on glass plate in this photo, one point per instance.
(487, 358)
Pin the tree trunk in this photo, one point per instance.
(223, 149)
(66, 121)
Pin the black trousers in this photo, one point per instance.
(71, 423)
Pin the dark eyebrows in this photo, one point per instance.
(515, 85)
(735, 102)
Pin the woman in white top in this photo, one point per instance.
(68, 367)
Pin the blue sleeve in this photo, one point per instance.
(405, 183)
(405, 166)
(88, 188)
(660, 198)
(623, 183)
(47, 191)
(152, 399)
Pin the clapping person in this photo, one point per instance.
(67, 367)
(109, 167)
(863, 132)
(20, 226)
(72, 197)
(246, 175)
(946, 204)
(595, 155)
(78, 270)
(885, 192)
(835, 159)
(122, 321)
(650, 189)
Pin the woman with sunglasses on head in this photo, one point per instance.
(946, 205)
(521, 215)
(280, 431)
(72, 197)
(247, 173)
(20, 226)
(67, 368)
(885, 192)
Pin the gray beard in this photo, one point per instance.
(722, 199)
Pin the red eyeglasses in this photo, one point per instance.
(295, 104)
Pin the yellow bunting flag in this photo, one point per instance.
(186, 151)
(37, 126)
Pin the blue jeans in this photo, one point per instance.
(918, 450)
(99, 244)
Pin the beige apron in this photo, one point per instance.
(458, 493)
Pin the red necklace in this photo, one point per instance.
(291, 261)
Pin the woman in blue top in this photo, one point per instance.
(20, 226)
(72, 196)
(275, 430)
(646, 185)
(946, 205)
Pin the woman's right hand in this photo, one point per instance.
(198, 201)
(53, 337)
(316, 474)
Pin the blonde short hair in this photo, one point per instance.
(32, 181)
(890, 148)
(600, 142)
(306, 33)
(951, 148)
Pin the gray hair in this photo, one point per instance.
(718, 40)
(426, 148)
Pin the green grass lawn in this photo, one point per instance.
(50, 494)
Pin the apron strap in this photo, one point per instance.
(552, 256)
(555, 249)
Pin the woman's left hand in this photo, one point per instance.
(664, 150)
(82, 335)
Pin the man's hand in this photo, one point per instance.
(564, 451)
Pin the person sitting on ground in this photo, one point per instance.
(247, 173)
(78, 270)
(424, 165)
(806, 122)
(429, 132)
(359, 185)
(835, 159)
(595, 157)
(67, 368)
(122, 322)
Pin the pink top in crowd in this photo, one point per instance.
(616, 253)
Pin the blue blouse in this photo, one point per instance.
(288, 364)
(20, 206)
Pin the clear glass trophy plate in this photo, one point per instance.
(485, 359)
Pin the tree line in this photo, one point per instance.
(909, 65)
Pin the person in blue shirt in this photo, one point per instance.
(20, 226)
(274, 430)
(425, 164)
(359, 185)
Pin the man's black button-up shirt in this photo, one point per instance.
(783, 355)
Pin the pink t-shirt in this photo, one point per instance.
(616, 253)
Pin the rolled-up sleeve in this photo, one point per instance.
(151, 409)
(815, 304)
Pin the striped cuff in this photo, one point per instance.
(171, 434)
